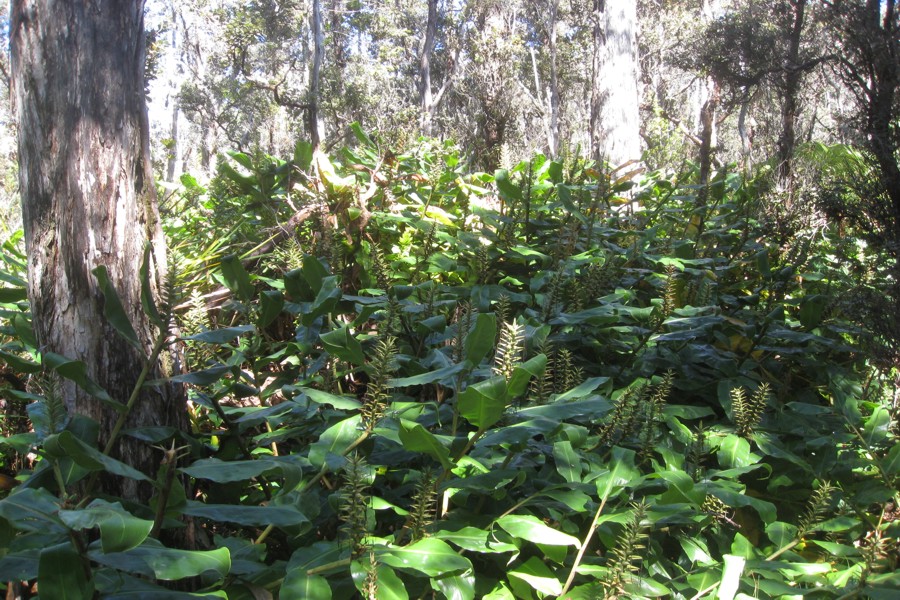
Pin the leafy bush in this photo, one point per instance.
(409, 380)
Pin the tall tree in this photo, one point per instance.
(88, 200)
(615, 118)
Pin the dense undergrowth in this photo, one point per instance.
(407, 380)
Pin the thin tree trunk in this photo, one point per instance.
(790, 108)
(615, 117)
(312, 112)
(425, 96)
(88, 199)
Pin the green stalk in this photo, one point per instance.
(583, 549)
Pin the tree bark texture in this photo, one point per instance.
(791, 81)
(615, 103)
(88, 199)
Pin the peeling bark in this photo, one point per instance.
(88, 199)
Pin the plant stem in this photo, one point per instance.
(583, 549)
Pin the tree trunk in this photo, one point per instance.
(792, 77)
(425, 96)
(615, 117)
(88, 199)
(312, 112)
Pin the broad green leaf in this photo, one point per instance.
(508, 190)
(892, 461)
(430, 556)
(62, 574)
(475, 540)
(484, 403)
(298, 585)
(119, 530)
(389, 585)
(568, 461)
(522, 374)
(114, 311)
(458, 586)
(340, 402)
(622, 471)
(538, 576)
(204, 377)
(220, 336)
(429, 377)
(342, 344)
(222, 471)
(65, 444)
(532, 529)
(32, 509)
(270, 304)
(76, 371)
(481, 339)
(19, 364)
(325, 301)
(734, 451)
(250, 516)
(152, 559)
(9, 295)
(148, 302)
(334, 440)
(237, 278)
(731, 576)
(416, 438)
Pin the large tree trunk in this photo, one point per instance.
(615, 117)
(88, 199)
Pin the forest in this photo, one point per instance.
(408, 299)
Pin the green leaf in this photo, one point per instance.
(734, 451)
(19, 364)
(271, 302)
(475, 540)
(731, 576)
(114, 311)
(339, 402)
(507, 188)
(522, 374)
(416, 438)
(65, 444)
(534, 530)
(481, 339)
(62, 575)
(204, 377)
(389, 585)
(334, 440)
(483, 403)
(538, 576)
(361, 135)
(892, 461)
(222, 471)
(32, 509)
(430, 556)
(152, 559)
(237, 278)
(76, 371)
(220, 336)
(426, 378)
(459, 586)
(298, 585)
(119, 530)
(622, 472)
(249, 516)
(148, 302)
(568, 461)
(342, 344)
(324, 302)
(9, 295)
